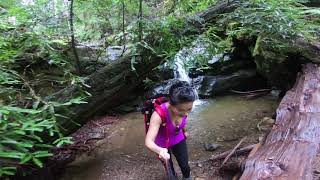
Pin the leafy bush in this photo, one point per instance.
(28, 122)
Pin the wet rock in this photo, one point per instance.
(208, 86)
(231, 138)
(275, 92)
(95, 135)
(211, 146)
(125, 108)
(114, 52)
(220, 139)
(162, 73)
(161, 88)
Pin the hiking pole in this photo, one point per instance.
(169, 171)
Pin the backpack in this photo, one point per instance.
(151, 105)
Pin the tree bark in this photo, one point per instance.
(73, 43)
(211, 14)
(293, 142)
(140, 21)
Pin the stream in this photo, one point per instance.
(122, 155)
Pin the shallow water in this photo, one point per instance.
(122, 155)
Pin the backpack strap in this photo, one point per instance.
(162, 113)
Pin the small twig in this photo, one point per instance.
(225, 154)
(233, 150)
(33, 94)
(250, 92)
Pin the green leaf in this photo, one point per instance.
(315, 11)
(34, 129)
(11, 154)
(20, 132)
(43, 145)
(42, 154)
(7, 171)
(8, 141)
(37, 162)
(28, 144)
(26, 158)
(21, 110)
(59, 41)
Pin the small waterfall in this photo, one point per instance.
(180, 72)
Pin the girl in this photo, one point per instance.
(171, 137)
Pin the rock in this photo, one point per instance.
(161, 88)
(268, 120)
(199, 165)
(231, 138)
(125, 108)
(209, 86)
(275, 92)
(220, 139)
(89, 51)
(199, 178)
(265, 124)
(211, 146)
(162, 73)
(114, 52)
(260, 138)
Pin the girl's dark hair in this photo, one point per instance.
(181, 92)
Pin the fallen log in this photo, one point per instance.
(293, 142)
(109, 87)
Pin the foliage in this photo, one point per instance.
(28, 122)
(276, 23)
(35, 36)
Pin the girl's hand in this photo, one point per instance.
(163, 154)
(186, 134)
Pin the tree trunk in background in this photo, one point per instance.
(123, 28)
(140, 21)
(73, 44)
(293, 142)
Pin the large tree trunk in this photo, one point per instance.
(293, 142)
(109, 88)
(211, 14)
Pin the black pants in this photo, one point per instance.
(180, 151)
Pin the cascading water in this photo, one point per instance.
(186, 55)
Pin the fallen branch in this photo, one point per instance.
(250, 92)
(232, 151)
(237, 152)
